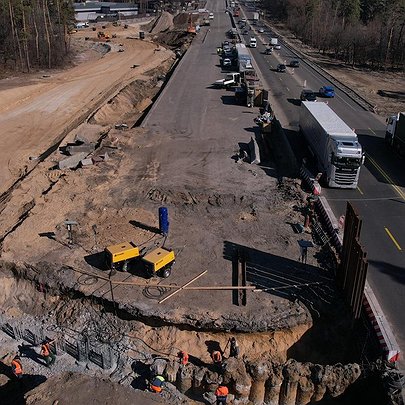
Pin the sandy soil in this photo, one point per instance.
(41, 111)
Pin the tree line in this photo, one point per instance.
(34, 33)
(358, 32)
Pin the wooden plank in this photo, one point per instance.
(183, 287)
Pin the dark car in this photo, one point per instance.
(226, 63)
(295, 63)
(281, 68)
(307, 95)
(268, 51)
(327, 91)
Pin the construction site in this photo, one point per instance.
(94, 193)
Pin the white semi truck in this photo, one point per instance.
(333, 143)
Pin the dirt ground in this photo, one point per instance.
(39, 109)
(117, 199)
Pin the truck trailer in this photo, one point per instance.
(334, 144)
(395, 132)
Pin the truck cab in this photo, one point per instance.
(395, 132)
(253, 42)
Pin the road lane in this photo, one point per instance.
(379, 198)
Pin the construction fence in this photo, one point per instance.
(79, 347)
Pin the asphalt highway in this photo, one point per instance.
(380, 196)
(191, 107)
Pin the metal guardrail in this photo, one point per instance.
(357, 98)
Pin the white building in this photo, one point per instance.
(93, 11)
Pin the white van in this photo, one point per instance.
(253, 42)
(211, 16)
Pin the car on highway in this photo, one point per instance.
(281, 68)
(261, 30)
(307, 95)
(277, 46)
(295, 63)
(244, 20)
(226, 62)
(327, 91)
(268, 51)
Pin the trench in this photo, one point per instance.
(94, 331)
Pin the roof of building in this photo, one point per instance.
(93, 5)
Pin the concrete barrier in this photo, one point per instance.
(73, 161)
(306, 175)
(254, 152)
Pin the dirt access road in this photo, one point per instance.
(37, 110)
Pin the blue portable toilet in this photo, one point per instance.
(163, 220)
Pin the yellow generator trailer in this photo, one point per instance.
(119, 256)
(159, 262)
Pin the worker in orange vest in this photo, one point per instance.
(217, 358)
(183, 356)
(47, 353)
(16, 367)
(222, 394)
(157, 384)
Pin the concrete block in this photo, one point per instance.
(254, 152)
(87, 162)
(73, 161)
(73, 149)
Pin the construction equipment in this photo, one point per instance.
(191, 27)
(103, 35)
(159, 262)
(119, 256)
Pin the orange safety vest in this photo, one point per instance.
(183, 358)
(221, 391)
(216, 356)
(156, 384)
(45, 350)
(17, 367)
(155, 388)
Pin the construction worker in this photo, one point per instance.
(157, 384)
(16, 367)
(183, 356)
(304, 254)
(217, 357)
(222, 394)
(47, 353)
(234, 348)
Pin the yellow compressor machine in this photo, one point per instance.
(119, 256)
(159, 262)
